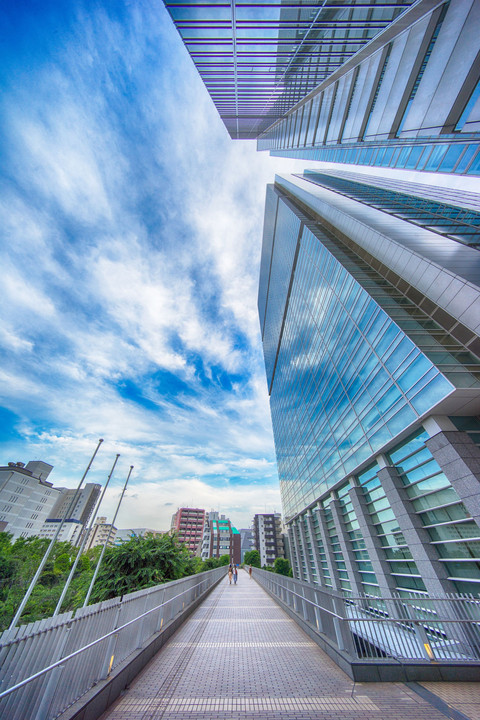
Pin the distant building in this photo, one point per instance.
(100, 532)
(76, 516)
(188, 524)
(268, 538)
(246, 536)
(26, 497)
(220, 538)
(71, 530)
(126, 534)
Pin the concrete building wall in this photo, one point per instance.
(189, 523)
(268, 537)
(26, 497)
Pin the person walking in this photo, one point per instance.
(230, 573)
(250, 571)
(235, 574)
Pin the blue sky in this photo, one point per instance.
(131, 231)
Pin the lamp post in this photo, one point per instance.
(52, 543)
(92, 583)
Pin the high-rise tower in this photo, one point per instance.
(258, 60)
(369, 296)
(383, 84)
(370, 324)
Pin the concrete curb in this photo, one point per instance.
(97, 700)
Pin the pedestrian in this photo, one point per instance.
(235, 574)
(250, 571)
(230, 573)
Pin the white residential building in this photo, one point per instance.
(26, 497)
(76, 516)
(268, 538)
(100, 532)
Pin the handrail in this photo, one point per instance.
(351, 601)
(38, 674)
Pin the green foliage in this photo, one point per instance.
(282, 567)
(212, 563)
(19, 561)
(139, 563)
(252, 557)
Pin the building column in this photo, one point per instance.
(306, 554)
(294, 547)
(327, 545)
(299, 549)
(432, 571)
(348, 556)
(381, 567)
(459, 459)
(315, 554)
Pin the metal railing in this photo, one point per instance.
(48, 665)
(399, 628)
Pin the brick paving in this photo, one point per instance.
(239, 656)
(464, 697)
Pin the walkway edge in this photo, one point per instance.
(97, 700)
(437, 702)
(383, 672)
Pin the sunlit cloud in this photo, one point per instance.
(132, 235)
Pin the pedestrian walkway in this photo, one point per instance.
(239, 656)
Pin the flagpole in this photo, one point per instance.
(52, 543)
(92, 583)
(84, 542)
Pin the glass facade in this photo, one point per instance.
(402, 566)
(457, 223)
(462, 158)
(409, 101)
(258, 58)
(350, 362)
(377, 83)
(453, 533)
(352, 365)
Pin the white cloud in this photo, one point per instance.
(134, 240)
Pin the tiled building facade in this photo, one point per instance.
(188, 524)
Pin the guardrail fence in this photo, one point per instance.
(404, 628)
(48, 665)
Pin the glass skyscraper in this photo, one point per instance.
(384, 84)
(258, 59)
(370, 332)
(369, 295)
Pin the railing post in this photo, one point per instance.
(342, 628)
(160, 614)
(421, 636)
(318, 616)
(53, 681)
(111, 647)
(139, 640)
(304, 606)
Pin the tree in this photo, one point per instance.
(282, 567)
(140, 563)
(252, 557)
(213, 562)
(19, 561)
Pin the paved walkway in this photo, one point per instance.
(240, 657)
